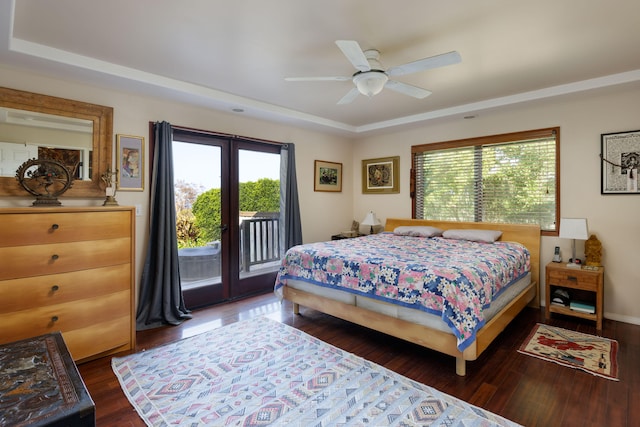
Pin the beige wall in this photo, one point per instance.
(614, 219)
(582, 118)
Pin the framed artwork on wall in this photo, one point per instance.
(620, 154)
(327, 176)
(381, 176)
(130, 158)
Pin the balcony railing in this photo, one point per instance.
(259, 240)
(259, 251)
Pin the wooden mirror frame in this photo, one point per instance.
(102, 118)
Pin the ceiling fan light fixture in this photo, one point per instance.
(371, 82)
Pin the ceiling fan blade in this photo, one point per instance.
(406, 89)
(441, 60)
(354, 54)
(349, 97)
(318, 79)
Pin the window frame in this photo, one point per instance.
(511, 137)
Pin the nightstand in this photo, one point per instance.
(581, 284)
(342, 236)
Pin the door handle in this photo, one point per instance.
(224, 227)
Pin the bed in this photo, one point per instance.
(411, 314)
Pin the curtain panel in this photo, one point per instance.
(160, 300)
(291, 228)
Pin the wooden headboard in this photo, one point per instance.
(526, 234)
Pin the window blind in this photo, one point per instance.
(506, 181)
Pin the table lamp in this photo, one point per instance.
(370, 220)
(573, 228)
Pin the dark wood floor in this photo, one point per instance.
(524, 389)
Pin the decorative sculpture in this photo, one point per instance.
(46, 179)
(593, 251)
(110, 190)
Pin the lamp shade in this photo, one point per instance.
(371, 82)
(370, 219)
(574, 228)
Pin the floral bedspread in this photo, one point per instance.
(456, 279)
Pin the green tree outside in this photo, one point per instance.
(206, 212)
(524, 192)
(204, 226)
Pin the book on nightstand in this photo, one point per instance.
(582, 307)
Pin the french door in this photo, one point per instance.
(227, 215)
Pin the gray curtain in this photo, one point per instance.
(160, 301)
(290, 224)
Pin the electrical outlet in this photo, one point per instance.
(138, 210)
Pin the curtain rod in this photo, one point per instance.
(227, 135)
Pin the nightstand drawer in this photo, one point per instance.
(577, 278)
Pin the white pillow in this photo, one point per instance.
(417, 231)
(487, 236)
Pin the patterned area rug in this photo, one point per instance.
(590, 353)
(261, 372)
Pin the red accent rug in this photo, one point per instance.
(261, 372)
(592, 354)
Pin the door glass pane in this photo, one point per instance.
(197, 193)
(259, 212)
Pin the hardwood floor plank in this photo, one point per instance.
(580, 386)
(524, 389)
(483, 394)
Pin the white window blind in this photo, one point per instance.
(512, 180)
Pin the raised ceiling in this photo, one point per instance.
(235, 54)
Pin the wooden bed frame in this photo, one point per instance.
(528, 235)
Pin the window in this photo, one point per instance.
(509, 178)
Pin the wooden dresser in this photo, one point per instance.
(69, 270)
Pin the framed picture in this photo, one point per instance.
(130, 159)
(327, 176)
(620, 154)
(381, 176)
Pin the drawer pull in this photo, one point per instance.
(54, 319)
(55, 226)
(55, 288)
(572, 278)
(54, 257)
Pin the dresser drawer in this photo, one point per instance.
(29, 261)
(115, 335)
(68, 317)
(17, 229)
(23, 294)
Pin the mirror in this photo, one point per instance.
(27, 135)
(40, 125)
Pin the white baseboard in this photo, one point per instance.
(621, 318)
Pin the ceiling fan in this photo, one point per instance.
(371, 77)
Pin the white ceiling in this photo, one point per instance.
(236, 53)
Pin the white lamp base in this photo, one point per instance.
(573, 265)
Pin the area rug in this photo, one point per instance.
(261, 372)
(592, 354)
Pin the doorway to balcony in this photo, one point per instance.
(227, 193)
